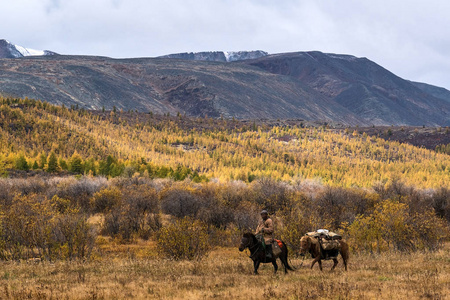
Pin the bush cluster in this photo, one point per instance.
(184, 239)
(33, 226)
(47, 217)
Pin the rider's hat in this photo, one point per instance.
(264, 212)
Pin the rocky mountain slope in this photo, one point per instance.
(304, 85)
(363, 87)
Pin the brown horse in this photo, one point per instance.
(312, 245)
(258, 254)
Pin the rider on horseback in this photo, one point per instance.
(265, 230)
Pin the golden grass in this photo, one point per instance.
(225, 274)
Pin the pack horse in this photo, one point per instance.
(324, 245)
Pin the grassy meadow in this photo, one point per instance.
(131, 272)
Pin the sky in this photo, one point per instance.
(410, 38)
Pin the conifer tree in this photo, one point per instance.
(52, 163)
(22, 164)
(42, 160)
(76, 164)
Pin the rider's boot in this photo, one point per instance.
(269, 251)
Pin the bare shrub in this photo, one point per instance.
(138, 214)
(246, 216)
(337, 205)
(180, 202)
(213, 209)
(30, 186)
(6, 192)
(270, 194)
(80, 191)
(440, 201)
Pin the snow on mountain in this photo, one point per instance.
(10, 50)
(29, 52)
(222, 56)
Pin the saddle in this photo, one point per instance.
(276, 247)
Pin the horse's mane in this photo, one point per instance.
(249, 235)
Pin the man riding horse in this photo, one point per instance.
(265, 230)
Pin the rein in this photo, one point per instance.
(253, 247)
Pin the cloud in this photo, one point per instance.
(406, 37)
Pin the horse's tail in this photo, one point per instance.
(286, 257)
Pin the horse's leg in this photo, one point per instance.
(317, 259)
(335, 263)
(320, 264)
(256, 266)
(285, 264)
(275, 265)
(344, 259)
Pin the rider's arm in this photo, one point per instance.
(269, 226)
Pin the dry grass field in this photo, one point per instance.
(135, 272)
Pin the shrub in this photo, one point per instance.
(270, 194)
(441, 203)
(184, 239)
(104, 200)
(213, 209)
(393, 226)
(138, 214)
(79, 191)
(73, 236)
(180, 202)
(31, 227)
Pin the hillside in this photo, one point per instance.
(180, 146)
(195, 88)
(363, 87)
(311, 86)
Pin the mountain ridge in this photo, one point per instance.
(220, 56)
(313, 86)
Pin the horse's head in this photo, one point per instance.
(246, 241)
(305, 245)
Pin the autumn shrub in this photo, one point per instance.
(25, 227)
(184, 239)
(393, 227)
(73, 236)
(104, 200)
(429, 230)
(31, 227)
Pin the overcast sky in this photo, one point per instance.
(410, 38)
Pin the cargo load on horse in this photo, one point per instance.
(328, 240)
